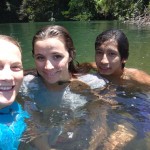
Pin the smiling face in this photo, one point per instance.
(11, 72)
(108, 59)
(51, 59)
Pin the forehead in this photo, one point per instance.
(109, 44)
(49, 45)
(9, 50)
(49, 41)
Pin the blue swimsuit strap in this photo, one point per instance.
(12, 126)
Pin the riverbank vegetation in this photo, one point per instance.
(130, 11)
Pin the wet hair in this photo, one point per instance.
(60, 32)
(119, 37)
(11, 40)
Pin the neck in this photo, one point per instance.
(57, 86)
(116, 76)
(1, 107)
(60, 85)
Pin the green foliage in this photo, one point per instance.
(9, 10)
(80, 9)
(82, 17)
(37, 10)
(65, 14)
(121, 9)
(47, 10)
(124, 9)
(102, 6)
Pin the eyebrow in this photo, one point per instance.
(37, 54)
(98, 49)
(12, 62)
(17, 62)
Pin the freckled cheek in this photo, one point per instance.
(115, 64)
(18, 75)
(18, 79)
(98, 62)
(63, 65)
(39, 65)
(116, 61)
(97, 59)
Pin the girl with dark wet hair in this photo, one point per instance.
(58, 88)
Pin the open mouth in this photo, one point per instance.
(6, 88)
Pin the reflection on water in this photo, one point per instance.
(98, 125)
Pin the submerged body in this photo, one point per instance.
(128, 76)
(56, 94)
(53, 110)
(72, 95)
(73, 118)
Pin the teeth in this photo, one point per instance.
(6, 88)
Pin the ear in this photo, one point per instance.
(124, 61)
(70, 59)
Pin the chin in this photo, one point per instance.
(105, 73)
(52, 82)
(5, 102)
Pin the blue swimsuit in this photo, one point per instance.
(12, 126)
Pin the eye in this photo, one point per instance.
(99, 52)
(57, 57)
(112, 53)
(40, 58)
(16, 67)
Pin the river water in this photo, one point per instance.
(84, 35)
(125, 126)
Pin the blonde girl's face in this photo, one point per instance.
(11, 72)
(51, 60)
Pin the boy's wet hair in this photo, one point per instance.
(119, 37)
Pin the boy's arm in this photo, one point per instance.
(87, 67)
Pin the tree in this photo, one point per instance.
(37, 10)
(9, 10)
(80, 9)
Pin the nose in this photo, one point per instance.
(49, 65)
(6, 74)
(104, 59)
